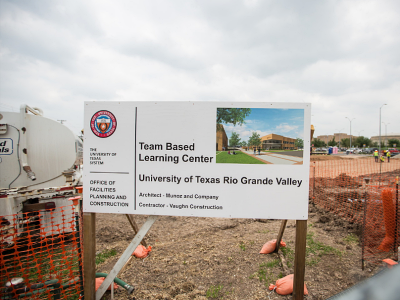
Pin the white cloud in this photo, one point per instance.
(341, 56)
(284, 127)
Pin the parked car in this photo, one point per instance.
(393, 151)
(369, 150)
(353, 151)
(366, 151)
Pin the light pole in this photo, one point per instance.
(380, 112)
(359, 134)
(350, 129)
(386, 124)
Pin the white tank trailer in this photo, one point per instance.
(40, 166)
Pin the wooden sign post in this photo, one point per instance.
(299, 260)
(300, 256)
(89, 255)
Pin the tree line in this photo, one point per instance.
(235, 140)
(255, 140)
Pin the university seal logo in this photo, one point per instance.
(103, 124)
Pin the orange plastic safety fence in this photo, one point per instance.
(381, 225)
(40, 255)
(364, 192)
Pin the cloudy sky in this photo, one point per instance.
(340, 56)
(286, 122)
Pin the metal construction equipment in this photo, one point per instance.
(40, 164)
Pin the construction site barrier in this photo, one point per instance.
(363, 192)
(40, 255)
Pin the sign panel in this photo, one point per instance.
(206, 159)
(6, 146)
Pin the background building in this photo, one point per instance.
(385, 138)
(338, 137)
(277, 142)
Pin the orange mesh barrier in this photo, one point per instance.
(40, 255)
(363, 192)
(381, 227)
(389, 220)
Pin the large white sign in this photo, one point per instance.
(207, 159)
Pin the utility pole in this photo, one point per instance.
(380, 113)
(386, 138)
(350, 128)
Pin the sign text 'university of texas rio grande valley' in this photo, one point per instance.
(190, 159)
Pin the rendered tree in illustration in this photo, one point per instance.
(232, 115)
(254, 140)
(234, 140)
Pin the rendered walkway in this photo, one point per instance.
(275, 158)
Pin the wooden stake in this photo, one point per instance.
(125, 256)
(299, 260)
(89, 255)
(125, 266)
(280, 234)
(135, 227)
(283, 263)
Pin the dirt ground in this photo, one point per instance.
(208, 258)
(325, 157)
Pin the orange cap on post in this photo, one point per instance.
(75, 200)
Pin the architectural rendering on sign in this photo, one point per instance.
(259, 136)
(277, 142)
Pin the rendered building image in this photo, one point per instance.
(277, 142)
(222, 139)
